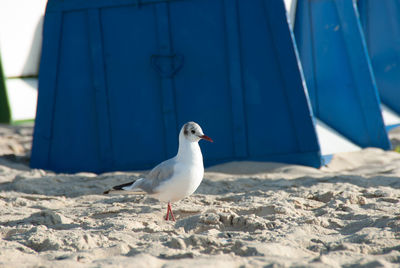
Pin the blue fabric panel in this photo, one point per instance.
(130, 73)
(380, 20)
(49, 64)
(137, 122)
(232, 21)
(100, 90)
(338, 72)
(203, 90)
(74, 136)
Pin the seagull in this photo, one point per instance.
(177, 177)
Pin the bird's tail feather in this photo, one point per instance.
(124, 188)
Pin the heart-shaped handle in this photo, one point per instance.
(167, 65)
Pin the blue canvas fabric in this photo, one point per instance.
(118, 79)
(380, 20)
(338, 71)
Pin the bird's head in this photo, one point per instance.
(193, 132)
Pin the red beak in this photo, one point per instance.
(204, 137)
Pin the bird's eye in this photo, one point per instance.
(193, 131)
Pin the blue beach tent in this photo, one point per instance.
(118, 78)
(338, 72)
(380, 20)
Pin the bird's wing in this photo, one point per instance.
(158, 175)
(123, 188)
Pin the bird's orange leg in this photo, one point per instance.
(170, 209)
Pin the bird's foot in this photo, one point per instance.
(169, 210)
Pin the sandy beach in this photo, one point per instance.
(244, 214)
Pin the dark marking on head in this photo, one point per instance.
(191, 128)
(186, 129)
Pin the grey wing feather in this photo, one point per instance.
(158, 175)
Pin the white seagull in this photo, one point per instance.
(175, 178)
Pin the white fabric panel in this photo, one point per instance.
(291, 10)
(331, 141)
(22, 96)
(389, 117)
(21, 36)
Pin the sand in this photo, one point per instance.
(244, 214)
